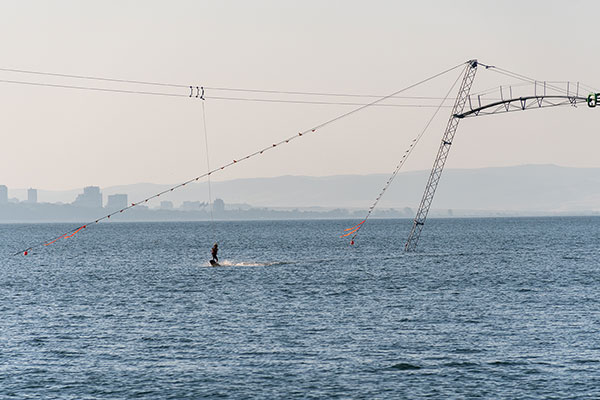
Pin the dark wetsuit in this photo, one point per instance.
(214, 252)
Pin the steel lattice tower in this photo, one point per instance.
(442, 155)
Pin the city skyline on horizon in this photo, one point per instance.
(565, 188)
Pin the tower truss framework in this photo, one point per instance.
(476, 108)
(442, 155)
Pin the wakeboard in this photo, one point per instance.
(213, 263)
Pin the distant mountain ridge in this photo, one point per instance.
(536, 188)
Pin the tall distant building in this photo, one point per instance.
(116, 201)
(3, 194)
(32, 196)
(218, 206)
(91, 198)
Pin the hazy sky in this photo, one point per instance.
(60, 138)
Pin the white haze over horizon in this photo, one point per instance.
(59, 139)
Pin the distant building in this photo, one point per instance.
(3, 194)
(117, 201)
(32, 196)
(218, 206)
(166, 205)
(90, 198)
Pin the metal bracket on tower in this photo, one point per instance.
(442, 155)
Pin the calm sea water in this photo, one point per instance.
(489, 308)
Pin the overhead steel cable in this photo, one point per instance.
(215, 88)
(97, 89)
(327, 94)
(589, 88)
(95, 78)
(230, 89)
(235, 161)
(524, 78)
(318, 102)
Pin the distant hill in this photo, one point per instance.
(528, 188)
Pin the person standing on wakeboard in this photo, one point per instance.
(214, 251)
